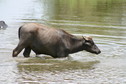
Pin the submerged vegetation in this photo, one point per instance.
(38, 64)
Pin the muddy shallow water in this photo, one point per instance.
(103, 20)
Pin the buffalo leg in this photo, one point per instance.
(17, 50)
(61, 54)
(27, 52)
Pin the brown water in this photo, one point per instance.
(104, 20)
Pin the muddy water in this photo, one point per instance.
(104, 20)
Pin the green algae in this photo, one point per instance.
(38, 64)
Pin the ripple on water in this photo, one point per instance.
(8, 73)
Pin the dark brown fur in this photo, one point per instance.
(55, 42)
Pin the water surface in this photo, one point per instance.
(104, 20)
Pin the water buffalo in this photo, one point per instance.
(50, 41)
(3, 24)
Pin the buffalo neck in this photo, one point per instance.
(77, 45)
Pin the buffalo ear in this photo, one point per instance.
(86, 40)
(88, 43)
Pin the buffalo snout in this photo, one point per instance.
(98, 52)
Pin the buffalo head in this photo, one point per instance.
(3, 24)
(90, 46)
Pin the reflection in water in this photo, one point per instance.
(36, 67)
(103, 19)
